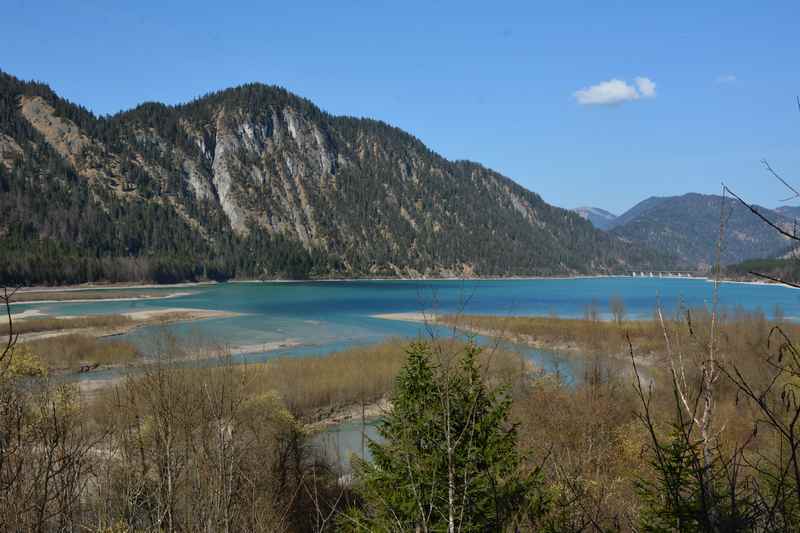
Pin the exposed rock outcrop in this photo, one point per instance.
(255, 167)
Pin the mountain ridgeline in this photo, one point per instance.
(254, 182)
(600, 218)
(687, 227)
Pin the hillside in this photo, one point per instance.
(255, 182)
(789, 211)
(600, 218)
(688, 227)
(786, 269)
(636, 211)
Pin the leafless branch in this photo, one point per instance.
(761, 216)
(777, 280)
(795, 193)
(11, 340)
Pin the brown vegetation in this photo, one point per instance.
(166, 449)
(65, 296)
(312, 388)
(201, 449)
(226, 446)
(598, 454)
(742, 332)
(106, 325)
(38, 325)
(73, 350)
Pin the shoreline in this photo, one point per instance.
(113, 286)
(413, 316)
(139, 319)
(349, 413)
(442, 278)
(93, 300)
(191, 284)
(263, 347)
(565, 347)
(513, 278)
(88, 385)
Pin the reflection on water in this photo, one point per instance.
(339, 443)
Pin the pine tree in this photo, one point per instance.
(448, 460)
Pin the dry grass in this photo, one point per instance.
(63, 296)
(313, 387)
(741, 332)
(587, 336)
(70, 351)
(358, 375)
(594, 445)
(597, 449)
(200, 421)
(106, 324)
(38, 325)
(362, 374)
(309, 387)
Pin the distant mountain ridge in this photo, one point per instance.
(790, 211)
(255, 182)
(687, 227)
(638, 210)
(600, 218)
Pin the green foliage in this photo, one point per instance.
(673, 502)
(693, 492)
(784, 269)
(448, 453)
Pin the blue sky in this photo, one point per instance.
(494, 82)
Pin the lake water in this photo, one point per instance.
(321, 317)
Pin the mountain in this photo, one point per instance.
(789, 211)
(636, 211)
(255, 182)
(600, 218)
(687, 227)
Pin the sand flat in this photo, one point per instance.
(28, 313)
(270, 346)
(21, 300)
(147, 317)
(179, 313)
(408, 317)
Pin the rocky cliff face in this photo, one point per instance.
(269, 165)
(262, 171)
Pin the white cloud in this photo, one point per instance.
(607, 92)
(726, 78)
(646, 86)
(615, 92)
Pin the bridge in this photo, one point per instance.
(665, 273)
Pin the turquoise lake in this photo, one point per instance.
(321, 317)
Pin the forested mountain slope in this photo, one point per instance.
(638, 210)
(600, 218)
(687, 227)
(256, 182)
